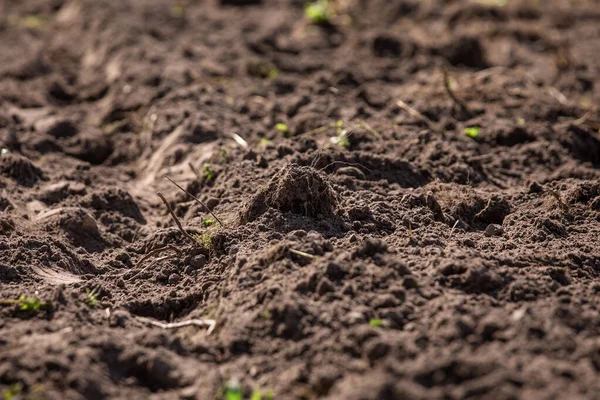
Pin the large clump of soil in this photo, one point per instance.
(296, 189)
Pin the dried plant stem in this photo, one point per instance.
(458, 101)
(430, 124)
(197, 200)
(209, 323)
(175, 219)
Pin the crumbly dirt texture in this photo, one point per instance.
(386, 256)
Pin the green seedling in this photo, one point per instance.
(92, 296)
(204, 239)
(263, 70)
(208, 222)
(208, 172)
(521, 121)
(233, 390)
(32, 304)
(472, 132)
(264, 141)
(376, 323)
(178, 10)
(34, 21)
(283, 128)
(342, 136)
(257, 395)
(13, 392)
(265, 315)
(319, 12)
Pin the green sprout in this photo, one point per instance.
(265, 141)
(13, 392)
(92, 296)
(283, 128)
(521, 121)
(32, 304)
(376, 322)
(472, 132)
(178, 10)
(319, 12)
(342, 135)
(265, 315)
(34, 21)
(263, 70)
(204, 239)
(208, 222)
(233, 390)
(208, 172)
(257, 395)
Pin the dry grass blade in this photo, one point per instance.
(430, 124)
(303, 254)
(563, 206)
(197, 200)
(585, 121)
(455, 99)
(208, 323)
(160, 250)
(175, 219)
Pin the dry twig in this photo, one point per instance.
(197, 200)
(175, 219)
(458, 101)
(430, 124)
(209, 323)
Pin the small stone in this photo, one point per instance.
(119, 318)
(325, 286)
(197, 261)
(174, 279)
(535, 187)
(212, 203)
(410, 282)
(377, 349)
(494, 230)
(385, 301)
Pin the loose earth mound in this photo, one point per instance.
(409, 195)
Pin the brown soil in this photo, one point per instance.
(413, 262)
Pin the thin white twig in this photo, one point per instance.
(210, 323)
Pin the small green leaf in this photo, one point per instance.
(376, 322)
(472, 132)
(233, 390)
(208, 172)
(521, 121)
(208, 222)
(318, 12)
(283, 128)
(256, 395)
(13, 392)
(92, 296)
(269, 395)
(29, 303)
(34, 21)
(264, 141)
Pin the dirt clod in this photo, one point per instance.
(296, 189)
